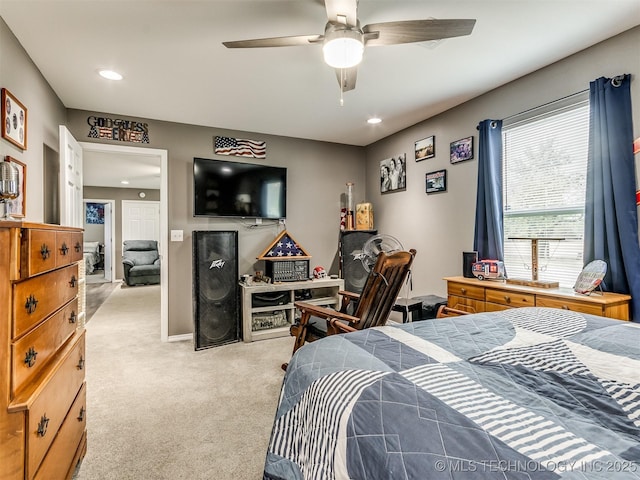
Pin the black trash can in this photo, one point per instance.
(430, 306)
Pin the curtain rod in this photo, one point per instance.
(546, 104)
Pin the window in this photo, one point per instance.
(544, 180)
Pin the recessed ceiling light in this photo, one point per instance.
(374, 120)
(110, 75)
(124, 182)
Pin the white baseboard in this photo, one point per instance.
(180, 338)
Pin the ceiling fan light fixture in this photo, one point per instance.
(343, 49)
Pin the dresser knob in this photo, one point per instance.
(80, 416)
(463, 290)
(73, 281)
(77, 247)
(565, 307)
(42, 426)
(507, 299)
(30, 357)
(44, 251)
(80, 365)
(64, 249)
(72, 317)
(31, 304)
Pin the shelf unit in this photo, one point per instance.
(324, 291)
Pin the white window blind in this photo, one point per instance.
(544, 180)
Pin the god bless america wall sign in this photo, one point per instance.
(118, 129)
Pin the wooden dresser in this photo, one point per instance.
(473, 295)
(42, 388)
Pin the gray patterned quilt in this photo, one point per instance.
(528, 393)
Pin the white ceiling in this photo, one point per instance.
(104, 169)
(176, 68)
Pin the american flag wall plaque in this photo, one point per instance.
(240, 147)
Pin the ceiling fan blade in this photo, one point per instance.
(346, 8)
(275, 41)
(409, 31)
(347, 78)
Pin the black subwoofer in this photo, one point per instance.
(468, 259)
(216, 305)
(351, 268)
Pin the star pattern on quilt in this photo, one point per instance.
(549, 357)
(479, 387)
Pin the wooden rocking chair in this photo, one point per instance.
(374, 305)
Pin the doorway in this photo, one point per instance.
(100, 228)
(162, 157)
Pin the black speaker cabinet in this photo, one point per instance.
(468, 258)
(351, 268)
(216, 303)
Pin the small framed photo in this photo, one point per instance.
(18, 206)
(14, 120)
(436, 181)
(393, 174)
(461, 150)
(426, 148)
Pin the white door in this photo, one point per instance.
(140, 220)
(71, 205)
(108, 236)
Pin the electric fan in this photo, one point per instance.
(376, 244)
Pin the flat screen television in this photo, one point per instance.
(235, 189)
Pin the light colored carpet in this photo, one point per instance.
(97, 293)
(161, 411)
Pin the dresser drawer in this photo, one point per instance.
(49, 409)
(78, 251)
(58, 461)
(464, 290)
(38, 297)
(510, 298)
(38, 252)
(68, 248)
(31, 353)
(568, 304)
(465, 304)
(495, 307)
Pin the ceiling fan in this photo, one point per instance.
(344, 40)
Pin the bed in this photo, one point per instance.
(527, 393)
(91, 253)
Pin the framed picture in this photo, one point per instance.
(14, 120)
(18, 206)
(426, 148)
(461, 150)
(436, 181)
(94, 214)
(393, 174)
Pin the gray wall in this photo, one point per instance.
(96, 232)
(317, 174)
(45, 112)
(440, 226)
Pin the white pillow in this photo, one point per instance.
(91, 247)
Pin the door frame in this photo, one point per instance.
(164, 218)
